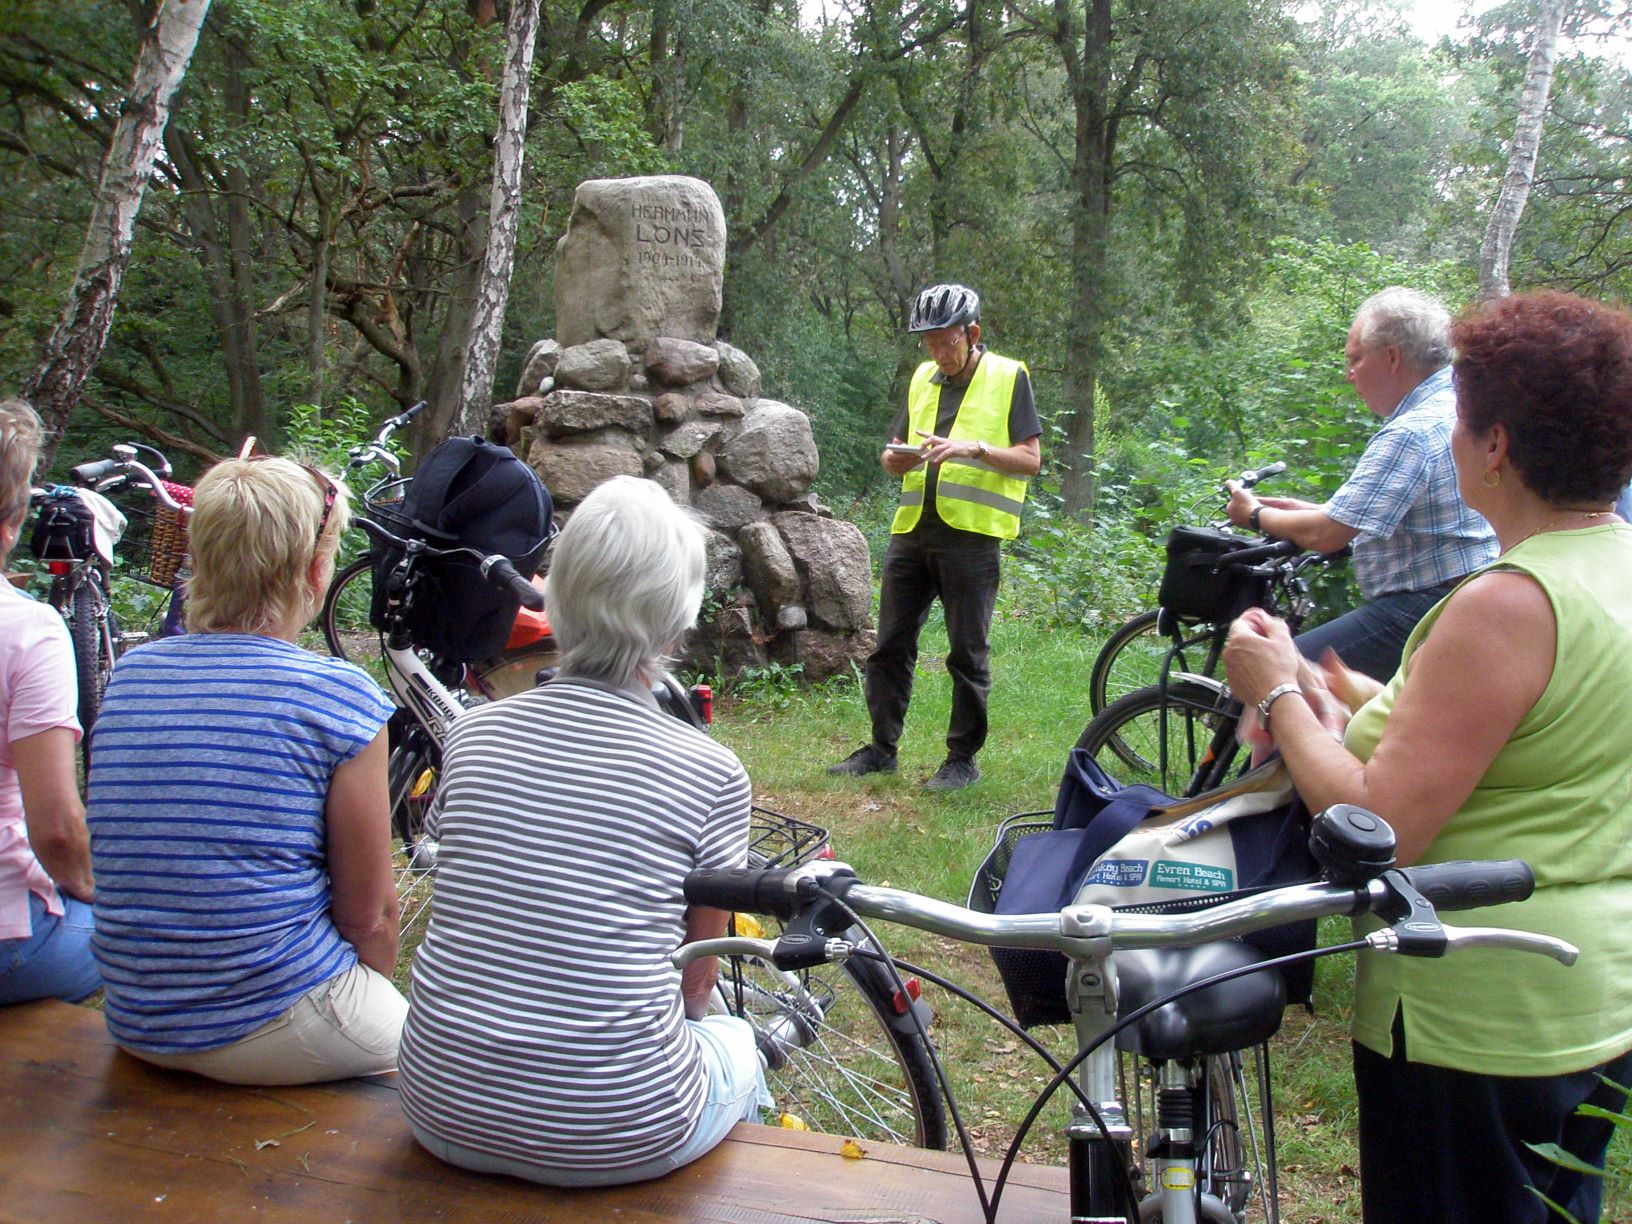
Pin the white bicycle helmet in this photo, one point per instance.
(944, 306)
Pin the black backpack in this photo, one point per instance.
(65, 528)
(467, 493)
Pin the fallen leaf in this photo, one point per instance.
(852, 1150)
(790, 1121)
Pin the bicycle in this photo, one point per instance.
(1158, 984)
(75, 540)
(345, 615)
(1158, 640)
(1178, 734)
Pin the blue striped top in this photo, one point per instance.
(212, 763)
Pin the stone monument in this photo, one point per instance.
(637, 383)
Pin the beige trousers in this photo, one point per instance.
(348, 1026)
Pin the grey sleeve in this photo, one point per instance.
(1023, 422)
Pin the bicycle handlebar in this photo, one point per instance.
(496, 568)
(124, 463)
(1092, 932)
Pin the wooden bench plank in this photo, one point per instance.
(88, 1133)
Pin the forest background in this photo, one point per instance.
(1170, 207)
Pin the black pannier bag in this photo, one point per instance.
(1194, 588)
(65, 528)
(467, 493)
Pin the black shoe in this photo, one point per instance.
(864, 760)
(954, 774)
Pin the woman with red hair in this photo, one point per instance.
(1504, 734)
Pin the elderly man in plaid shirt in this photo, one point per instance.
(1414, 538)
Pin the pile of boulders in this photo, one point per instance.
(789, 583)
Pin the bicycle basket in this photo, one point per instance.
(1193, 585)
(1034, 979)
(168, 543)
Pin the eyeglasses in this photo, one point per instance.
(331, 491)
(942, 344)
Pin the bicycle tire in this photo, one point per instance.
(834, 1061)
(411, 774)
(344, 617)
(94, 633)
(513, 671)
(1130, 659)
(1126, 737)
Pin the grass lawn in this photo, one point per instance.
(896, 833)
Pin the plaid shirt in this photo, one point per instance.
(1415, 530)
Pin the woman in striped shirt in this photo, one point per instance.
(246, 918)
(549, 1037)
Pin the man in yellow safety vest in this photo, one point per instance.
(974, 443)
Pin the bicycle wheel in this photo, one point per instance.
(1180, 741)
(344, 618)
(833, 1059)
(411, 775)
(1130, 659)
(94, 633)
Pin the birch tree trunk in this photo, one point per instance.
(504, 213)
(76, 341)
(1497, 248)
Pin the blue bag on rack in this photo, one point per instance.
(1133, 846)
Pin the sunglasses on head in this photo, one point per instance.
(331, 491)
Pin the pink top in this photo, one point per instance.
(37, 693)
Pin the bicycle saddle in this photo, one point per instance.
(1230, 1016)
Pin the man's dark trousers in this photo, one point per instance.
(961, 569)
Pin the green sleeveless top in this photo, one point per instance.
(1559, 796)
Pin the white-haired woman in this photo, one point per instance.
(246, 918)
(45, 861)
(549, 1037)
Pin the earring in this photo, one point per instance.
(1492, 478)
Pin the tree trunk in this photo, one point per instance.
(1497, 249)
(1086, 51)
(504, 215)
(76, 341)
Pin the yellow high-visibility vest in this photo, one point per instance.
(971, 494)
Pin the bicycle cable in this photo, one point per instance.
(1134, 1017)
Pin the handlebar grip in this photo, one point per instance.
(500, 573)
(90, 473)
(1465, 885)
(754, 890)
(1252, 477)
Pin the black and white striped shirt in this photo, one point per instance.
(545, 1023)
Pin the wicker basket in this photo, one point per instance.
(168, 547)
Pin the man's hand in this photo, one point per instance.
(939, 449)
(1243, 501)
(899, 463)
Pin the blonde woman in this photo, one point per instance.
(246, 920)
(45, 861)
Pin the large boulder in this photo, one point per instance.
(724, 565)
(738, 373)
(727, 506)
(684, 441)
(675, 479)
(571, 469)
(540, 364)
(774, 454)
(822, 653)
(679, 363)
(768, 568)
(563, 413)
(833, 563)
(641, 257)
(599, 365)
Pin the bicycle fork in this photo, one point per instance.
(1101, 1164)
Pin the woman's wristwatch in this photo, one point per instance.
(1252, 519)
(1274, 695)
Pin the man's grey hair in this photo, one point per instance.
(1413, 322)
(625, 581)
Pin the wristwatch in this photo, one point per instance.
(1274, 695)
(1252, 519)
(981, 449)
